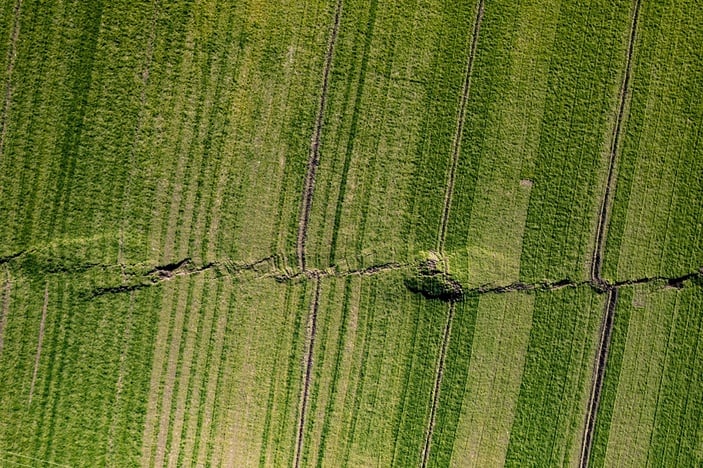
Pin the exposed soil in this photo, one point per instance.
(314, 157)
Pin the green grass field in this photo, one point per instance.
(346, 233)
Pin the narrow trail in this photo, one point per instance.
(42, 324)
(597, 260)
(437, 384)
(308, 373)
(456, 143)
(314, 157)
(11, 57)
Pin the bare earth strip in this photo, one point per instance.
(456, 144)
(5, 309)
(437, 385)
(11, 56)
(308, 373)
(40, 341)
(596, 263)
(314, 158)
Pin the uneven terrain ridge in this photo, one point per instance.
(351, 233)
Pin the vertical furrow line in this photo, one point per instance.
(607, 321)
(314, 156)
(603, 214)
(308, 372)
(456, 143)
(437, 384)
(39, 342)
(598, 374)
(441, 237)
(11, 57)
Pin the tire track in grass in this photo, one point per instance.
(5, 308)
(437, 384)
(597, 260)
(11, 57)
(598, 374)
(456, 143)
(456, 149)
(42, 324)
(314, 157)
(308, 372)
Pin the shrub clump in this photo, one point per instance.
(433, 283)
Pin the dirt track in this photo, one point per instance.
(42, 325)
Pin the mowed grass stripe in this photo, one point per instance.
(582, 95)
(551, 406)
(10, 60)
(654, 418)
(159, 362)
(40, 341)
(314, 158)
(500, 141)
(655, 230)
(249, 369)
(188, 353)
(379, 136)
(4, 312)
(492, 338)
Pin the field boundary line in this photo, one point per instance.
(5, 308)
(607, 319)
(314, 156)
(42, 325)
(308, 372)
(456, 142)
(11, 57)
(438, 384)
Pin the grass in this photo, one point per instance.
(138, 135)
(550, 411)
(651, 417)
(656, 226)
